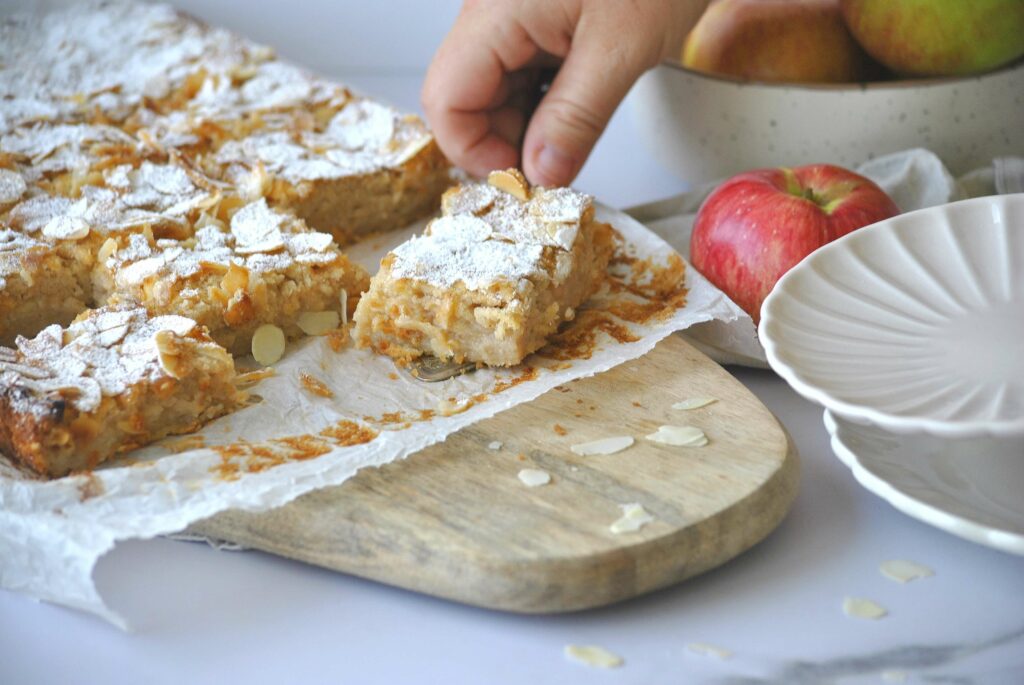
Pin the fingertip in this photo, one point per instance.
(548, 164)
(489, 154)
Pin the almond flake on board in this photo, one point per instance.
(679, 436)
(533, 478)
(593, 656)
(602, 446)
(495, 445)
(694, 403)
(634, 517)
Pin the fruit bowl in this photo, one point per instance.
(705, 127)
(912, 324)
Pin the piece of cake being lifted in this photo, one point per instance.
(491, 278)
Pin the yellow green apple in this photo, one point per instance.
(938, 37)
(789, 41)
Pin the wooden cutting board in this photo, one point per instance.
(455, 521)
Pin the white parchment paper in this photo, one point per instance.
(53, 532)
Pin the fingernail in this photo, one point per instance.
(555, 166)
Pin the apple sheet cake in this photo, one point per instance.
(113, 380)
(491, 278)
(153, 164)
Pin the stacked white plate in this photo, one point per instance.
(910, 332)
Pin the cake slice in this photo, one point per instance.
(367, 168)
(265, 266)
(112, 381)
(490, 279)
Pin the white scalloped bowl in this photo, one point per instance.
(913, 324)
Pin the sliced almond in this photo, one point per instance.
(858, 607)
(679, 436)
(239, 310)
(268, 344)
(63, 227)
(602, 446)
(318, 323)
(512, 182)
(709, 650)
(108, 248)
(235, 278)
(694, 403)
(112, 336)
(594, 656)
(169, 352)
(634, 517)
(903, 571)
(533, 478)
(343, 298)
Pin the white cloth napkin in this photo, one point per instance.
(915, 179)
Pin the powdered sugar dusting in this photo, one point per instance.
(153, 194)
(256, 228)
(105, 56)
(14, 248)
(12, 186)
(102, 354)
(461, 248)
(487, 236)
(142, 259)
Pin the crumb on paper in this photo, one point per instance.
(706, 649)
(251, 377)
(533, 478)
(393, 376)
(593, 656)
(694, 403)
(858, 607)
(495, 445)
(679, 436)
(315, 385)
(903, 571)
(634, 517)
(895, 676)
(559, 429)
(603, 446)
(521, 457)
(338, 338)
(186, 444)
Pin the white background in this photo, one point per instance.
(203, 616)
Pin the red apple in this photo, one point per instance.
(938, 37)
(757, 225)
(777, 40)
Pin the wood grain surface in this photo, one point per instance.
(455, 521)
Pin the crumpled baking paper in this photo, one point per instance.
(914, 178)
(53, 532)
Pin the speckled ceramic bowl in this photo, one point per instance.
(704, 127)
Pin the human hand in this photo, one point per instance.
(486, 76)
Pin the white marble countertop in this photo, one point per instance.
(205, 616)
